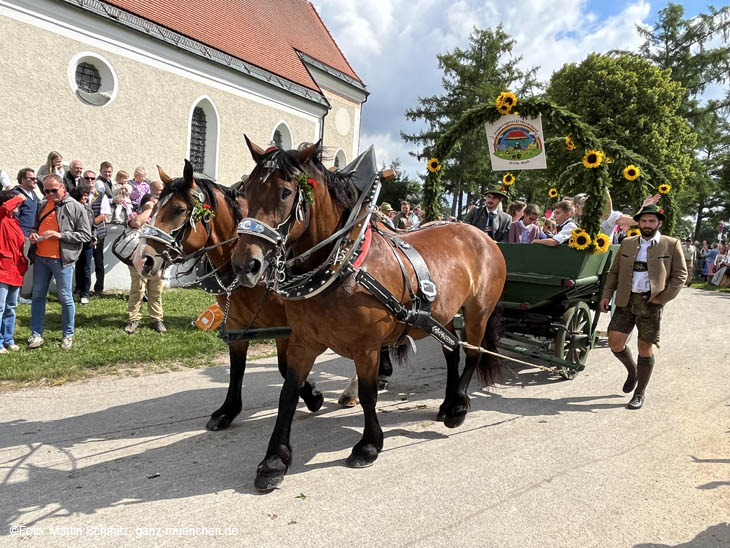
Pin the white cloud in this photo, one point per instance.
(392, 45)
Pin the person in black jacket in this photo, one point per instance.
(490, 218)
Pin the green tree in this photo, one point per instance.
(629, 100)
(690, 49)
(471, 76)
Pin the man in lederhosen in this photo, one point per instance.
(647, 273)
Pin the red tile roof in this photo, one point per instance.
(265, 33)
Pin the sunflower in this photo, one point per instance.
(581, 241)
(553, 192)
(593, 158)
(508, 179)
(576, 231)
(664, 188)
(569, 144)
(506, 101)
(603, 242)
(503, 108)
(631, 172)
(433, 165)
(633, 232)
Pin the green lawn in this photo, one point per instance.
(101, 345)
(709, 287)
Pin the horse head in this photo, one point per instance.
(187, 219)
(280, 208)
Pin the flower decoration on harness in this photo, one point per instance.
(433, 165)
(201, 212)
(508, 179)
(307, 184)
(631, 173)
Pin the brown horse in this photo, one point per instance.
(179, 234)
(465, 264)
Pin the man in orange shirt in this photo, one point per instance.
(60, 230)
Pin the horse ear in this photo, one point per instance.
(164, 177)
(306, 154)
(256, 151)
(188, 174)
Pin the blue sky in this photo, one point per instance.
(392, 45)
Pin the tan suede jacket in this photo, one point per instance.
(667, 270)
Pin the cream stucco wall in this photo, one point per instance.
(333, 138)
(146, 124)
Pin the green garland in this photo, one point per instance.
(595, 181)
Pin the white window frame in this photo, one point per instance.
(283, 137)
(106, 71)
(212, 134)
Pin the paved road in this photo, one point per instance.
(539, 462)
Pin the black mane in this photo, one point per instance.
(340, 186)
(179, 187)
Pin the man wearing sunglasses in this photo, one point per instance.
(60, 230)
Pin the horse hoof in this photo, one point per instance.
(441, 416)
(266, 483)
(383, 384)
(219, 423)
(346, 401)
(315, 401)
(362, 459)
(454, 421)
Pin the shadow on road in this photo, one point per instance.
(716, 536)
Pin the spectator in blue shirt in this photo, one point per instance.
(26, 212)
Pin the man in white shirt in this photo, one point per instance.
(649, 270)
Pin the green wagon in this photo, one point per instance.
(550, 303)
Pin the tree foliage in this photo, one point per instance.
(471, 76)
(399, 188)
(697, 59)
(628, 100)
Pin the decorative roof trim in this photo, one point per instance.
(333, 72)
(181, 41)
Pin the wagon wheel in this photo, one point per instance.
(574, 344)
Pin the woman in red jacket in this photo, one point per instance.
(13, 265)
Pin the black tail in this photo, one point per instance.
(491, 369)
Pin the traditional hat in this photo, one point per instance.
(497, 192)
(385, 207)
(651, 208)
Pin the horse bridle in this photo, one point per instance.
(173, 240)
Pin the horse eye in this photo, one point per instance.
(285, 193)
(179, 210)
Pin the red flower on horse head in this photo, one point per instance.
(312, 182)
(206, 206)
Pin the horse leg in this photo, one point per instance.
(311, 396)
(385, 369)
(270, 472)
(224, 415)
(366, 450)
(452, 381)
(348, 398)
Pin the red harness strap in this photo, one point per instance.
(365, 248)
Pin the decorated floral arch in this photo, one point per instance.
(598, 163)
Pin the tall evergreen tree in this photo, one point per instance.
(471, 76)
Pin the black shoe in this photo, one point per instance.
(629, 385)
(636, 402)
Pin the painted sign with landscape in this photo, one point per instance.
(516, 143)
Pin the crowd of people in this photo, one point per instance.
(53, 226)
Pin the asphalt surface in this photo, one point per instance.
(539, 462)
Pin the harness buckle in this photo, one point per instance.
(428, 289)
